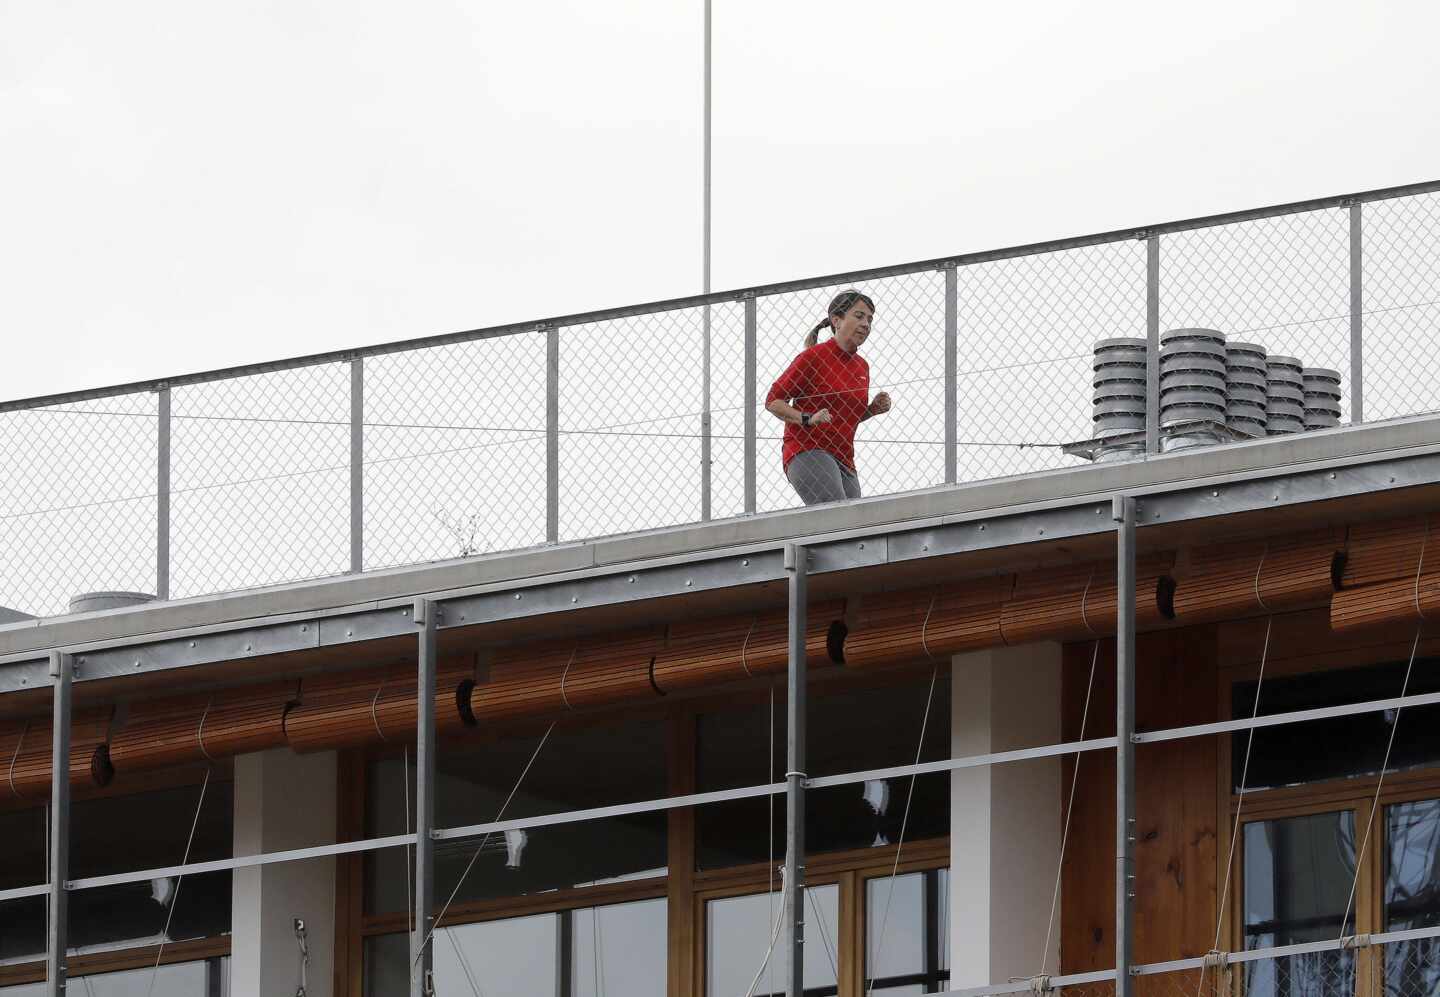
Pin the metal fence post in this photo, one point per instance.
(1357, 351)
(1123, 513)
(162, 496)
(357, 464)
(422, 947)
(750, 375)
(705, 415)
(794, 884)
(952, 399)
(57, 934)
(552, 433)
(1152, 341)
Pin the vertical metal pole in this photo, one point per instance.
(552, 434)
(57, 936)
(162, 497)
(705, 289)
(357, 464)
(796, 558)
(952, 398)
(1152, 347)
(1123, 513)
(1357, 351)
(422, 950)
(750, 375)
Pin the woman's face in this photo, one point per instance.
(852, 328)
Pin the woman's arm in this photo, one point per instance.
(786, 412)
(879, 405)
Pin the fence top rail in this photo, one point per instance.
(720, 297)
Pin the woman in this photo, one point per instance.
(822, 396)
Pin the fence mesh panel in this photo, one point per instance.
(454, 450)
(1282, 282)
(260, 472)
(77, 501)
(456, 438)
(1401, 301)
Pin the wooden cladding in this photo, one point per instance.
(354, 708)
(897, 627)
(530, 680)
(1080, 602)
(193, 728)
(706, 652)
(25, 748)
(1277, 574)
(1392, 574)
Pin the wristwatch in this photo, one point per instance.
(805, 419)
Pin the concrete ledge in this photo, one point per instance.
(937, 505)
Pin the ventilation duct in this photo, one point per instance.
(1119, 396)
(94, 602)
(1245, 384)
(1322, 397)
(1284, 396)
(1192, 388)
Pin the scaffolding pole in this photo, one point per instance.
(794, 884)
(57, 940)
(1123, 513)
(422, 949)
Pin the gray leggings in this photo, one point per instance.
(817, 477)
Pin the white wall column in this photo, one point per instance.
(1005, 820)
(283, 800)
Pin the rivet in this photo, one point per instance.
(304, 628)
(517, 596)
(745, 562)
(1215, 494)
(982, 527)
(349, 633)
(688, 583)
(24, 681)
(862, 545)
(462, 616)
(1392, 479)
(574, 598)
(247, 647)
(924, 546)
(1041, 531)
(631, 579)
(192, 644)
(1274, 498)
(137, 664)
(1332, 475)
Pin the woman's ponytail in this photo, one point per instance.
(813, 336)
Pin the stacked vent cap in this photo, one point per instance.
(1284, 395)
(1192, 386)
(1245, 387)
(1119, 396)
(1322, 397)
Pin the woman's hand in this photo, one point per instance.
(820, 417)
(879, 405)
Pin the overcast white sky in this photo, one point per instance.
(185, 186)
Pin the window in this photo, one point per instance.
(115, 834)
(210, 978)
(1412, 895)
(907, 932)
(742, 944)
(1299, 873)
(848, 731)
(617, 949)
(575, 769)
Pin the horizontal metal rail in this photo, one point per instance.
(20, 892)
(1293, 717)
(722, 297)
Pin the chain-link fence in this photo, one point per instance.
(679, 412)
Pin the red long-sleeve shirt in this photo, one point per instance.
(824, 376)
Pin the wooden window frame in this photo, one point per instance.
(685, 888)
(1355, 793)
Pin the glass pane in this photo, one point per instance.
(1412, 896)
(907, 925)
(181, 979)
(575, 769)
(1298, 876)
(631, 942)
(848, 731)
(742, 944)
(510, 958)
(1341, 746)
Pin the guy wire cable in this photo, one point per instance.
(1240, 796)
(904, 822)
(460, 881)
(824, 933)
(1069, 808)
(464, 963)
(175, 897)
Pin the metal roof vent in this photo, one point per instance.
(90, 602)
(1245, 380)
(1119, 397)
(1322, 397)
(1192, 388)
(1284, 396)
(8, 615)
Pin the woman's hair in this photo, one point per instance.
(839, 305)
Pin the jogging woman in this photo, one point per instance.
(822, 397)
